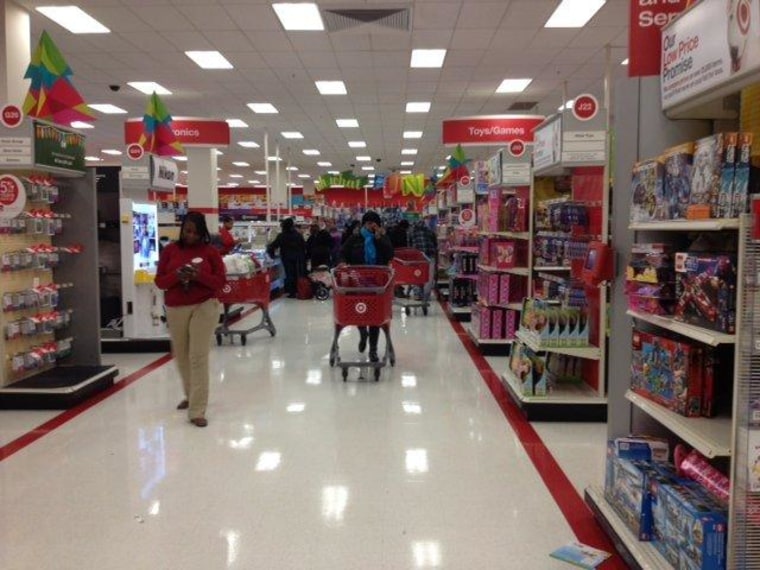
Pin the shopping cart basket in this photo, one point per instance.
(248, 288)
(363, 296)
(412, 267)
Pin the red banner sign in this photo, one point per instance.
(489, 129)
(644, 38)
(189, 131)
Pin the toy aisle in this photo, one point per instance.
(506, 330)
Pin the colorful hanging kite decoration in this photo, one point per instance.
(158, 137)
(413, 185)
(347, 179)
(51, 96)
(457, 167)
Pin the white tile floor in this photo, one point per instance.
(296, 468)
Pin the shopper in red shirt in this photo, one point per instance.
(191, 271)
(228, 241)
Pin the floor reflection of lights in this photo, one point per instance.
(417, 461)
(296, 407)
(269, 461)
(427, 554)
(334, 503)
(412, 408)
(408, 381)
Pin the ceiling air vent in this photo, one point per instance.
(523, 105)
(339, 19)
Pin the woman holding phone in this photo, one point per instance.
(191, 271)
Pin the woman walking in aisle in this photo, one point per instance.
(191, 271)
(369, 247)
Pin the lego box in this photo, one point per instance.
(706, 291)
(627, 490)
(646, 185)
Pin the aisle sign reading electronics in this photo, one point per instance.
(711, 44)
(189, 131)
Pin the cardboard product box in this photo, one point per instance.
(642, 448)
(690, 527)
(627, 490)
(503, 254)
(480, 321)
(506, 282)
(708, 383)
(706, 291)
(726, 196)
(646, 186)
(706, 174)
(497, 323)
(511, 321)
(484, 257)
(742, 174)
(676, 189)
(521, 366)
(492, 288)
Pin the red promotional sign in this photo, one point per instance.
(135, 151)
(585, 107)
(12, 196)
(517, 148)
(11, 116)
(489, 129)
(188, 130)
(648, 17)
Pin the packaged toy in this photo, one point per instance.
(725, 198)
(646, 185)
(742, 174)
(706, 177)
(676, 188)
(706, 291)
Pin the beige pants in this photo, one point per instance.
(191, 328)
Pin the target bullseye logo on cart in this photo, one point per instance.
(360, 308)
(12, 196)
(135, 151)
(227, 288)
(11, 116)
(517, 148)
(417, 272)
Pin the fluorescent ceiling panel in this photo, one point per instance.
(236, 123)
(209, 59)
(274, 159)
(324, 164)
(333, 172)
(357, 144)
(218, 152)
(93, 159)
(292, 168)
(404, 171)
(263, 108)
(624, 62)
(363, 158)
(81, 125)
(108, 109)
(74, 19)
(291, 135)
(299, 16)
(241, 163)
(331, 87)
(260, 172)
(304, 176)
(236, 176)
(573, 13)
(430, 58)
(368, 168)
(407, 163)
(311, 152)
(418, 107)
(412, 134)
(408, 151)
(254, 182)
(249, 144)
(149, 87)
(180, 158)
(513, 85)
(112, 152)
(347, 123)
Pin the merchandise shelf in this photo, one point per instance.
(710, 436)
(706, 336)
(557, 268)
(472, 276)
(464, 249)
(513, 270)
(513, 235)
(562, 394)
(512, 306)
(643, 554)
(587, 352)
(488, 341)
(461, 310)
(714, 225)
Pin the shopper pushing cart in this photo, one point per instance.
(412, 267)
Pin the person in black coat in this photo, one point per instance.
(318, 246)
(292, 249)
(398, 234)
(369, 247)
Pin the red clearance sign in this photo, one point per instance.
(189, 131)
(648, 17)
(489, 129)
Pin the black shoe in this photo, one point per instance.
(292, 296)
(373, 355)
(362, 343)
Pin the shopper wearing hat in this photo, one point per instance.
(369, 247)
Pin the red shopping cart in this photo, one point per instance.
(250, 288)
(362, 296)
(412, 267)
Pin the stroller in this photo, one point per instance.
(321, 282)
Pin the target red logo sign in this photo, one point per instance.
(11, 116)
(361, 308)
(417, 272)
(585, 107)
(12, 196)
(467, 218)
(135, 151)
(743, 16)
(465, 180)
(517, 148)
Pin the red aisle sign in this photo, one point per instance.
(11, 116)
(644, 38)
(585, 107)
(135, 151)
(188, 130)
(517, 148)
(489, 129)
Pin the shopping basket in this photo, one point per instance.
(363, 296)
(412, 267)
(249, 288)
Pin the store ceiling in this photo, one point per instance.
(487, 41)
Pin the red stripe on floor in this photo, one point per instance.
(42, 430)
(576, 512)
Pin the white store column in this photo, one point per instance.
(15, 52)
(202, 189)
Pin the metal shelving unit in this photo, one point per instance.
(588, 352)
(700, 334)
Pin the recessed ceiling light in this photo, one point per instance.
(324, 164)
(236, 176)
(311, 152)
(249, 144)
(357, 144)
(513, 85)
(331, 87)
(363, 158)
(412, 134)
(233, 184)
(624, 62)
(407, 163)
(261, 172)
(368, 168)
(428, 57)
(74, 19)
(418, 107)
(408, 151)
(291, 135)
(347, 123)
(218, 152)
(112, 151)
(573, 13)
(93, 159)
(299, 16)
(209, 59)
(404, 171)
(241, 163)
(149, 87)
(180, 158)
(333, 172)
(274, 158)
(81, 125)
(568, 105)
(292, 168)
(254, 182)
(108, 109)
(304, 176)
(236, 123)
(218, 168)
(263, 108)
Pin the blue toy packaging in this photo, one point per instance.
(725, 198)
(706, 177)
(646, 185)
(676, 188)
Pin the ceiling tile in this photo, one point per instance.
(310, 41)
(269, 40)
(464, 57)
(163, 18)
(249, 16)
(208, 17)
(481, 15)
(435, 15)
(391, 41)
(282, 59)
(226, 41)
(472, 39)
(598, 36)
(528, 14)
(186, 41)
(350, 42)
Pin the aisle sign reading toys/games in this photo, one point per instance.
(56, 147)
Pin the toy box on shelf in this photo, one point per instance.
(650, 279)
(706, 290)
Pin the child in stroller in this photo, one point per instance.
(321, 282)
